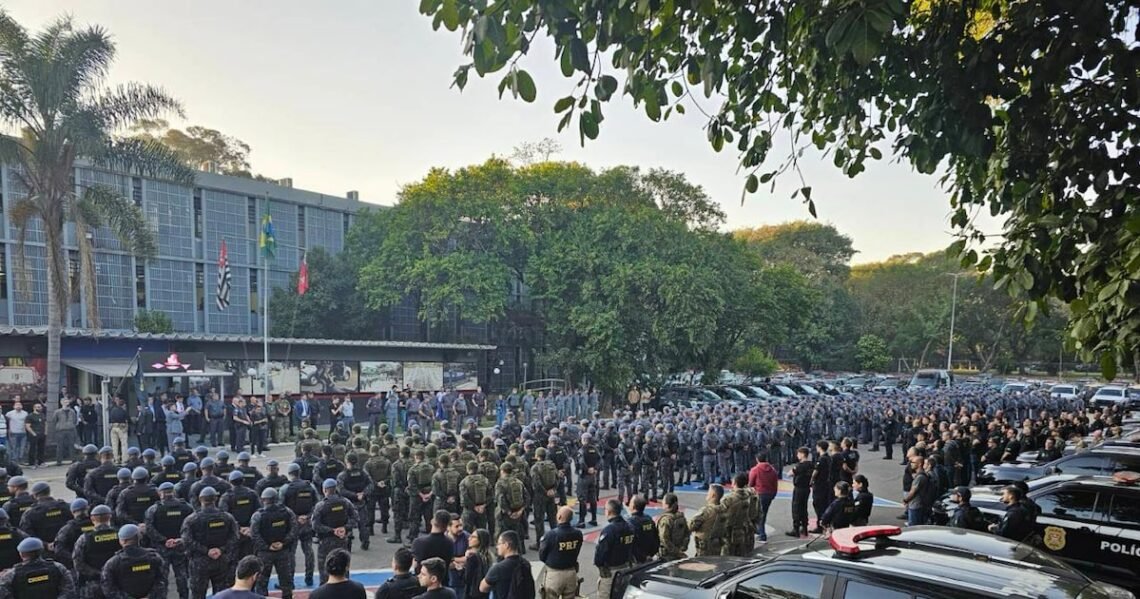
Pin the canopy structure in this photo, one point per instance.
(125, 367)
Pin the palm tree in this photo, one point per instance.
(57, 108)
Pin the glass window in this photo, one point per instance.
(1069, 503)
(783, 585)
(1125, 510)
(860, 590)
(1083, 465)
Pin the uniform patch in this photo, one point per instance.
(1055, 538)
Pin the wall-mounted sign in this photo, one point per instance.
(172, 363)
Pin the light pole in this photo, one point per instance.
(953, 307)
(252, 372)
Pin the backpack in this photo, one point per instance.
(450, 482)
(422, 476)
(515, 494)
(522, 580)
(736, 513)
(479, 490)
(547, 475)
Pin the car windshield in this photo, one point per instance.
(760, 392)
(735, 393)
(785, 390)
(809, 389)
(1110, 392)
(707, 395)
(1062, 389)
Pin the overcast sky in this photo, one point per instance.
(355, 95)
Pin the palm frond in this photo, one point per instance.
(84, 213)
(86, 132)
(84, 58)
(12, 150)
(20, 214)
(13, 37)
(132, 102)
(87, 273)
(146, 158)
(125, 220)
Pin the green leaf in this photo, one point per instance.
(579, 55)
(863, 40)
(563, 104)
(588, 126)
(807, 194)
(525, 85)
(752, 184)
(565, 62)
(811, 209)
(449, 14)
(652, 108)
(1108, 364)
(678, 89)
(606, 87)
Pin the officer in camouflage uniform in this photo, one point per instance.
(272, 480)
(164, 532)
(708, 525)
(92, 551)
(474, 497)
(741, 509)
(354, 484)
(379, 469)
(510, 495)
(673, 530)
(210, 539)
(274, 531)
(490, 471)
(240, 502)
(419, 495)
(282, 414)
(545, 479)
(710, 443)
(301, 497)
(334, 518)
(400, 499)
(445, 486)
(67, 536)
(50, 579)
(669, 450)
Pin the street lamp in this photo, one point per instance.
(252, 372)
(953, 307)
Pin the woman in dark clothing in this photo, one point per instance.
(478, 562)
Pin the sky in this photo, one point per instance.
(356, 95)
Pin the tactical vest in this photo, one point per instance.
(336, 516)
(217, 529)
(37, 579)
(736, 513)
(8, 555)
(54, 518)
(489, 471)
(136, 574)
(105, 480)
(306, 462)
(181, 458)
(169, 477)
(420, 476)
(243, 503)
(676, 530)
(515, 494)
(101, 545)
(137, 505)
(274, 525)
(302, 500)
(547, 475)
(450, 482)
(399, 476)
(329, 468)
(379, 469)
(478, 485)
(355, 481)
(169, 516)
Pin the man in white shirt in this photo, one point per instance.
(17, 437)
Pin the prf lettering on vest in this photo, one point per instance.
(568, 545)
(1130, 549)
(53, 513)
(627, 539)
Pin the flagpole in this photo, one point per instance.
(265, 313)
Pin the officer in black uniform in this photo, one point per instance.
(589, 462)
(328, 466)
(134, 572)
(47, 516)
(334, 518)
(274, 532)
(5, 494)
(189, 477)
(181, 455)
(559, 550)
(102, 478)
(354, 483)
(200, 453)
(210, 538)
(272, 480)
(78, 471)
(10, 538)
(35, 577)
(136, 499)
(164, 532)
(134, 458)
(208, 479)
(614, 548)
(92, 550)
(240, 502)
(252, 474)
(801, 489)
(67, 536)
(21, 500)
(171, 472)
(223, 465)
(300, 497)
(150, 462)
(124, 478)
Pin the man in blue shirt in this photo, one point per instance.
(192, 422)
(215, 410)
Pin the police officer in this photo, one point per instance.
(544, 478)
(353, 483)
(189, 477)
(210, 539)
(208, 479)
(134, 458)
(136, 499)
(328, 466)
(181, 455)
(21, 500)
(379, 469)
(10, 539)
(67, 536)
(164, 531)
(35, 577)
(272, 480)
(672, 530)
(240, 502)
(333, 521)
(150, 462)
(274, 532)
(419, 494)
(646, 540)
(123, 476)
(445, 486)
(399, 486)
(510, 496)
(134, 572)
(614, 548)
(589, 460)
(627, 466)
(78, 471)
(92, 551)
(708, 524)
(710, 443)
(474, 497)
(558, 550)
(223, 467)
(47, 516)
(742, 514)
(251, 473)
(171, 472)
(301, 497)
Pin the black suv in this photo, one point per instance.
(1091, 522)
(684, 396)
(1102, 461)
(868, 562)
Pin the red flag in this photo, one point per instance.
(303, 276)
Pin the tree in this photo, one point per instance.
(52, 91)
(153, 321)
(871, 353)
(332, 308)
(200, 146)
(1028, 108)
(530, 152)
(819, 252)
(755, 362)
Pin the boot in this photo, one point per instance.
(594, 515)
(395, 538)
(384, 528)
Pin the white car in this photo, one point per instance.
(1015, 388)
(1063, 391)
(1110, 395)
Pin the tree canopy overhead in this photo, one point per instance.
(1031, 110)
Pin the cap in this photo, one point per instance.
(271, 463)
(207, 492)
(79, 504)
(201, 449)
(168, 460)
(206, 463)
(236, 475)
(101, 510)
(962, 491)
(223, 455)
(3, 471)
(106, 450)
(90, 449)
(124, 473)
(140, 473)
(269, 493)
(294, 469)
(40, 487)
(130, 450)
(129, 531)
(17, 481)
(150, 453)
(29, 545)
(179, 441)
(189, 467)
(328, 484)
(166, 486)
(243, 456)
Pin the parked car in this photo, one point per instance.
(1111, 395)
(753, 392)
(684, 396)
(1102, 461)
(931, 378)
(1015, 388)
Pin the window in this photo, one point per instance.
(251, 217)
(1125, 510)
(1126, 463)
(200, 285)
(301, 227)
(199, 226)
(1069, 503)
(253, 304)
(860, 590)
(346, 222)
(783, 585)
(3, 270)
(1083, 465)
(136, 191)
(140, 284)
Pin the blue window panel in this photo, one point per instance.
(235, 319)
(325, 228)
(226, 218)
(171, 286)
(103, 237)
(15, 192)
(31, 309)
(115, 290)
(170, 212)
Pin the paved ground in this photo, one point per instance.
(372, 567)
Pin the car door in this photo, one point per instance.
(1118, 548)
(785, 582)
(1090, 465)
(1069, 524)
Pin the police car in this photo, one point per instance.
(1090, 522)
(868, 562)
(1102, 461)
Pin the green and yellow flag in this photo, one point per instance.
(267, 240)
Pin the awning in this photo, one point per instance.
(125, 367)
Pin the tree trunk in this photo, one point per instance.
(58, 298)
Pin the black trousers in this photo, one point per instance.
(800, 509)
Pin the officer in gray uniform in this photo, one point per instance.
(274, 532)
(210, 538)
(301, 497)
(240, 502)
(627, 466)
(134, 572)
(92, 551)
(35, 577)
(710, 444)
(334, 518)
(164, 532)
